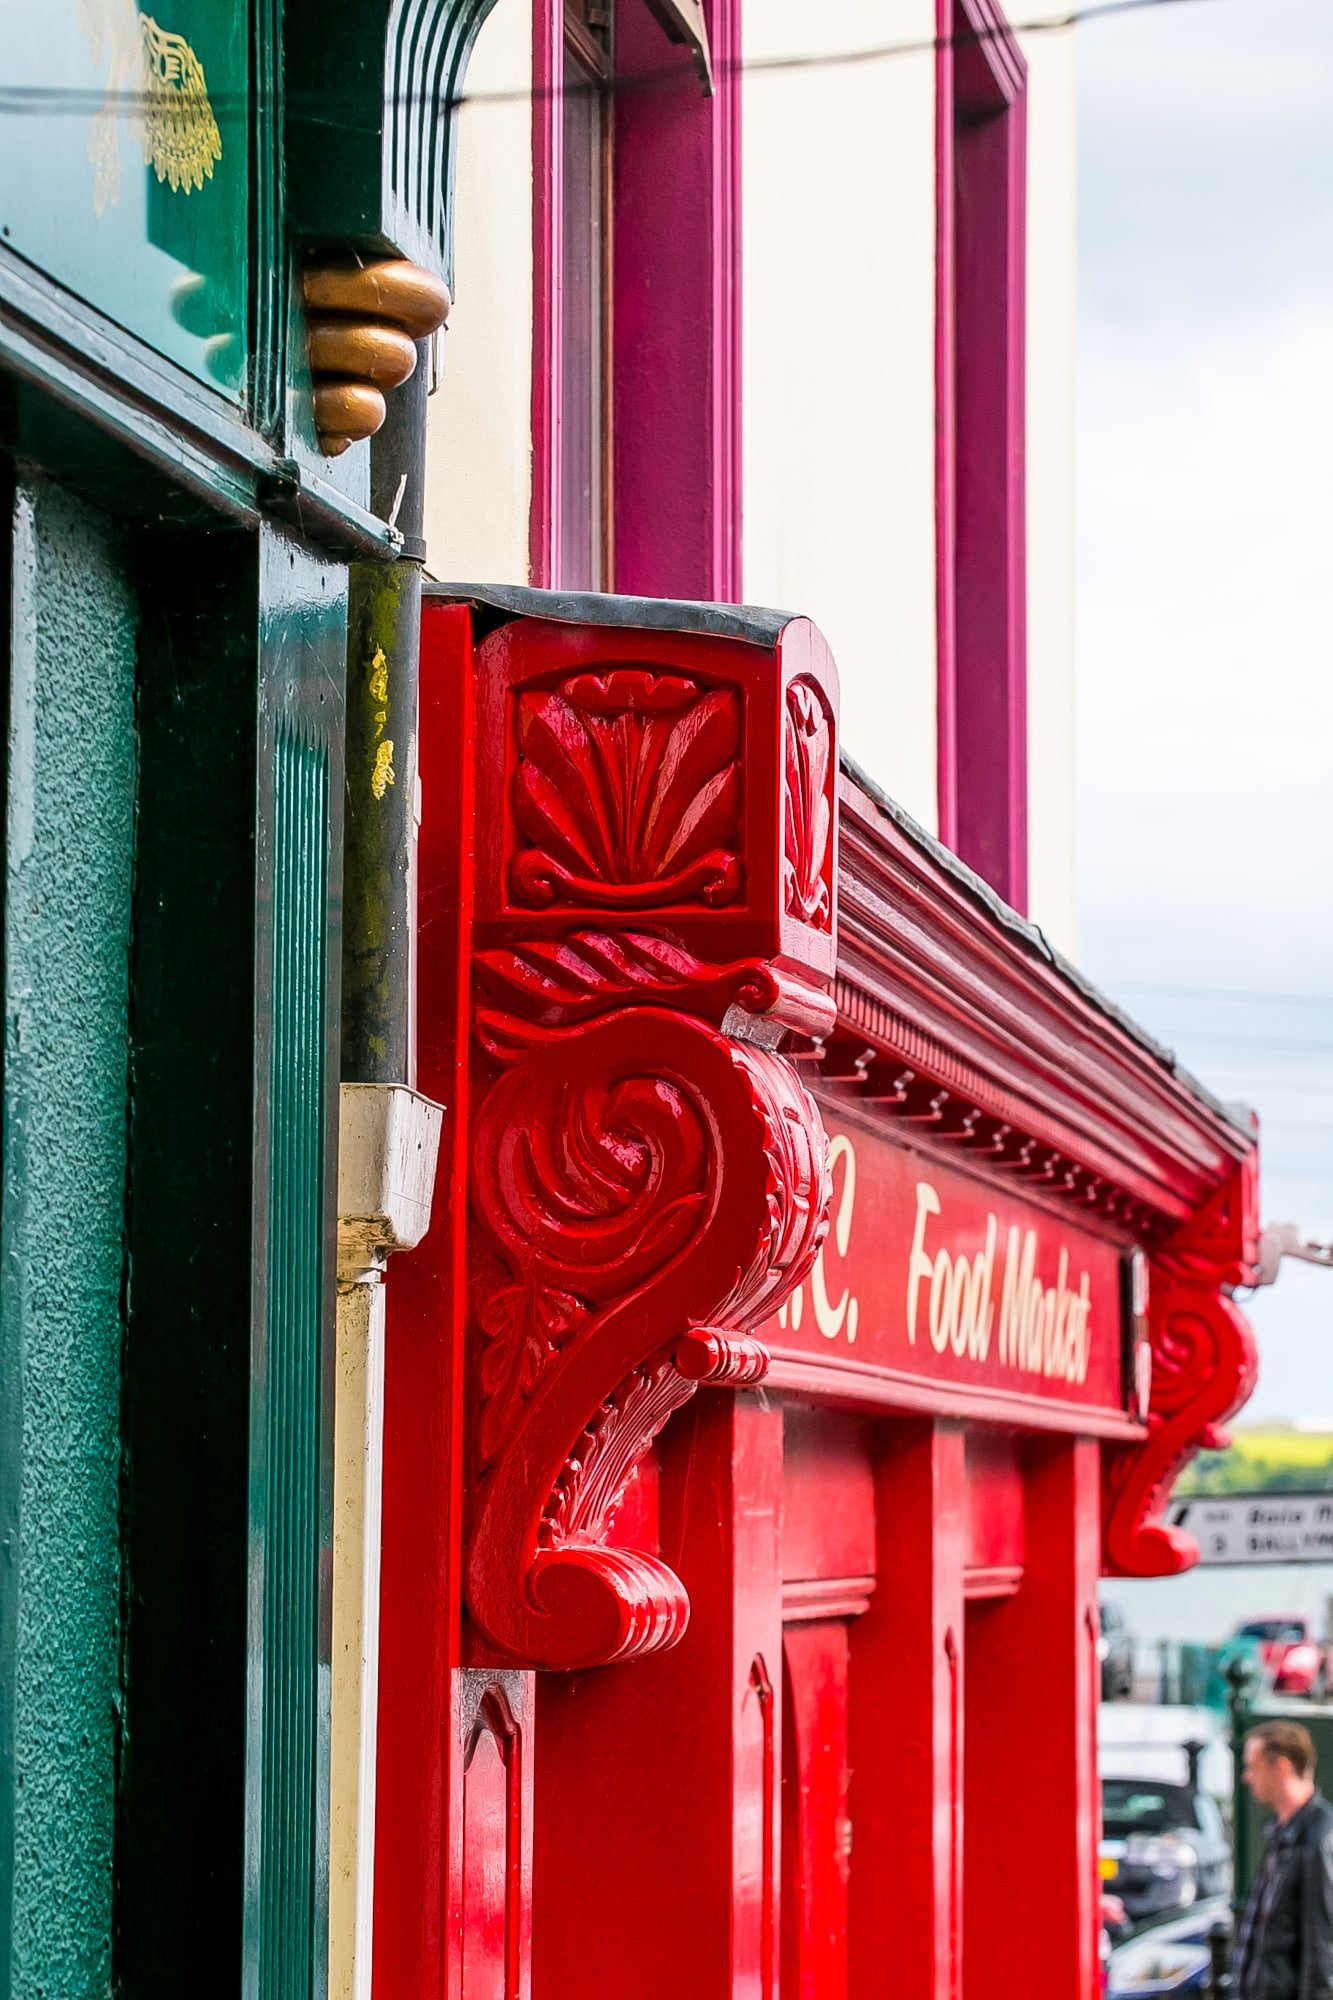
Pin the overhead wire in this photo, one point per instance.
(36, 100)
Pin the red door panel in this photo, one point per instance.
(495, 1878)
(816, 1829)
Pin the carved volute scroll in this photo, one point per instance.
(1203, 1366)
(654, 932)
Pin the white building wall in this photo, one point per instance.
(838, 215)
(479, 431)
(839, 361)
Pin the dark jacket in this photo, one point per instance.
(1287, 1938)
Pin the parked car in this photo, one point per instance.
(1293, 1652)
(1112, 1920)
(1174, 1957)
(1146, 1969)
(1115, 1650)
(1164, 1847)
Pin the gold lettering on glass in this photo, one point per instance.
(158, 81)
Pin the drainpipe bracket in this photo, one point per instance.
(388, 1146)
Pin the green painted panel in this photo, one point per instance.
(296, 1275)
(302, 667)
(128, 176)
(68, 867)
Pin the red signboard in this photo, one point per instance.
(937, 1289)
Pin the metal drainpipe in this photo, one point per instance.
(384, 638)
(388, 1138)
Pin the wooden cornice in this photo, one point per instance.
(953, 1012)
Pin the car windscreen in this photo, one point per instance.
(1132, 1806)
(1272, 1631)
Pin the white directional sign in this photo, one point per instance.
(1259, 1527)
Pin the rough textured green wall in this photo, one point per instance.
(69, 834)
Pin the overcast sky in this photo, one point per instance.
(1205, 574)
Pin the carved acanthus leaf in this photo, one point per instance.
(534, 989)
(524, 1325)
(598, 1469)
(808, 809)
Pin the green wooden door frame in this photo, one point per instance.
(303, 638)
(223, 1817)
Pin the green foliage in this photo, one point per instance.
(1241, 1471)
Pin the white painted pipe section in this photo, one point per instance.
(388, 1144)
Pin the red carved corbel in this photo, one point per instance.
(1203, 1366)
(653, 933)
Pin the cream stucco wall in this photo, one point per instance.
(479, 432)
(839, 361)
(839, 386)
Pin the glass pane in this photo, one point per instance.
(132, 186)
(581, 332)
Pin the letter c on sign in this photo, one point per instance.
(831, 1319)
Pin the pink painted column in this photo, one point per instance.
(980, 498)
(547, 188)
(677, 313)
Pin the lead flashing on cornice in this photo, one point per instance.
(496, 603)
(1035, 941)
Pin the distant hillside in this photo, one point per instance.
(1272, 1458)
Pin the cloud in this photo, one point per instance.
(1205, 646)
(1206, 142)
(1205, 641)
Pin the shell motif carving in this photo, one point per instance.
(644, 1195)
(807, 875)
(627, 793)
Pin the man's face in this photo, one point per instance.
(1264, 1775)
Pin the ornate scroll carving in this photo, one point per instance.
(649, 1177)
(627, 792)
(646, 1192)
(1203, 1368)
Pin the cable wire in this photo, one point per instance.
(35, 100)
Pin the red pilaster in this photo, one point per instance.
(906, 1720)
(1031, 1719)
(417, 1846)
(667, 1883)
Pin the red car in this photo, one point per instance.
(1292, 1652)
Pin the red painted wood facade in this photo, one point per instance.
(824, 1290)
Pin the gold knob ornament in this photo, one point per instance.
(365, 316)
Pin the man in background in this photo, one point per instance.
(1284, 1947)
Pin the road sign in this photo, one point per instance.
(1259, 1527)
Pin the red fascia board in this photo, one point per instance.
(936, 974)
